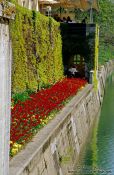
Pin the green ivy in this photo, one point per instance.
(104, 17)
(37, 51)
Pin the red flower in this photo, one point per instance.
(26, 115)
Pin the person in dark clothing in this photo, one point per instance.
(64, 19)
(68, 19)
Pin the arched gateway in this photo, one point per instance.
(80, 46)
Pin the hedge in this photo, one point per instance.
(37, 51)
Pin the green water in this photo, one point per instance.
(98, 157)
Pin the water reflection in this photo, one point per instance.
(98, 156)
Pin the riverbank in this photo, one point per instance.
(55, 148)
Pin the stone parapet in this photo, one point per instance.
(6, 13)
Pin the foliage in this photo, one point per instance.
(80, 15)
(105, 20)
(37, 51)
(21, 96)
(104, 17)
(32, 114)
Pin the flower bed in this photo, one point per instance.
(35, 112)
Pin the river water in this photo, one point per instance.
(98, 155)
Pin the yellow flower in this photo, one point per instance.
(19, 146)
(11, 142)
(15, 148)
(15, 145)
(82, 87)
(14, 151)
(33, 116)
(50, 117)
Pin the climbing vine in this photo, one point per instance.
(37, 51)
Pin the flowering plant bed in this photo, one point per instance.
(35, 112)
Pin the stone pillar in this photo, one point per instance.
(91, 77)
(5, 90)
(36, 5)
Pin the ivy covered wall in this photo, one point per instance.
(37, 51)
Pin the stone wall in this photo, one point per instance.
(57, 146)
(103, 72)
(5, 86)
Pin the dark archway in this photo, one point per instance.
(78, 42)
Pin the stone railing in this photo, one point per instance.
(5, 84)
